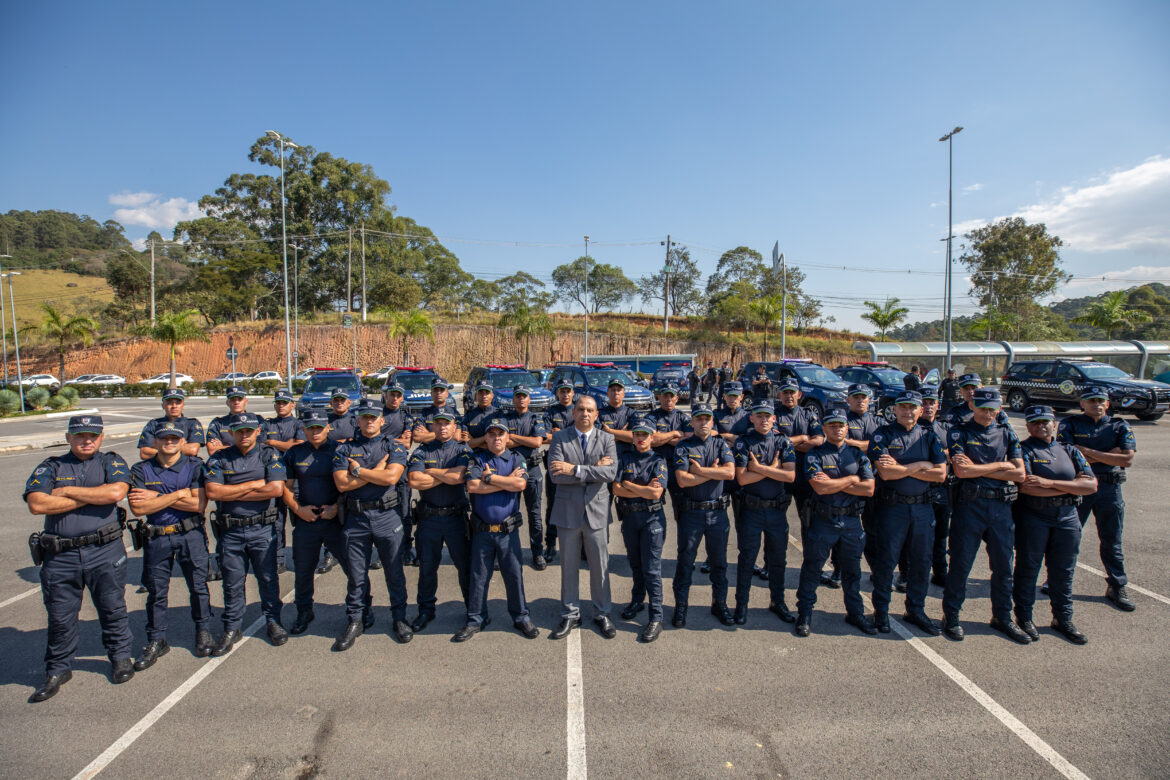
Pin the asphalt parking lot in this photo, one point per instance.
(701, 701)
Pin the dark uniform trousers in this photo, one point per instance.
(308, 539)
(253, 545)
(905, 533)
(973, 522)
(1108, 508)
(408, 519)
(644, 534)
(432, 532)
(533, 493)
(942, 527)
(823, 534)
(1052, 535)
(364, 531)
(159, 556)
(487, 547)
(64, 577)
(750, 523)
(694, 526)
(869, 523)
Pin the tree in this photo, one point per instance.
(172, 328)
(685, 296)
(806, 312)
(768, 311)
(1013, 265)
(525, 324)
(66, 329)
(606, 288)
(885, 316)
(1111, 313)
(482, 295)
(523, 288)
(740, 265)
(410, 325)
(129, 279)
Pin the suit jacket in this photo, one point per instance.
(583, 499)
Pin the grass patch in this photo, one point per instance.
(52, 286)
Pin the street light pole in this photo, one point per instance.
(15, 337)
(666, 291)
(284, 251)
(4, 328)
(586, 298)
(296, 307)
(950, 233)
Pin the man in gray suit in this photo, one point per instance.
(582, 461)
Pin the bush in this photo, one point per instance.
(9, 402)
(59, 403)
(69, 392)
(36, 398)
(88, 391)
(263, 387)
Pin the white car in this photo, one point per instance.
(41, 380)
(108, 379)
(165, 379)
(305, 375)
(382, 373)
(84, 379)
(261, 376)
(238, 376)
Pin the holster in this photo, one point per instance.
(138, 534)
(34, 549)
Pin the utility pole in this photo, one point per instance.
(783, 307)
(349, 272)
(950, 233)
(666, 291)
(152, 282)
(586, 298)
(363, 272)
(3, 325)
(15, 337)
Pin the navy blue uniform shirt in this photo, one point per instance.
(1053, 460)
(527, 424)
(187, 472)
(992, 444)
(920, 443)
(797, 421)
(558, 416)
(642, 468)
(665, 422)
(368, 453)
(441, 455)
(283, 429)
(618, 418)
(1103, 436)
(765, 448)
(495, 507)
(836, 462)
(395, 422)
(861, 426)
(736, 423)
(229, 466)
(475, 422)
(342, 427)
(221, 428)
(711, 452)
(67, 471)
(192, 428)
(312, 468)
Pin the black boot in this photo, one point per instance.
(680, 616)
(224, 645)
(123, 670)
(301, 624)
(204, 643)
(723, 614)
(50, 686)
(153, 651)
(352, 631)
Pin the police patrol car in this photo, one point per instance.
(593, 379)
(416, 380)
(503, 378)
(675, 374)
(319, 389)
(1059, 382)
(819, 387)
(884, 380)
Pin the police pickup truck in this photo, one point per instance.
(818, 385)
(503, 378)
(416, 381)
(1058, 383)
(593, 379)
(319, 388)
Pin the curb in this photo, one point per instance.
(51, 415)
(47, 444)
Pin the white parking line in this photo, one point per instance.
(15, 599)
(1099, 573)
(1029, 737)
(575, 716)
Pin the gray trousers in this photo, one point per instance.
(595, 543)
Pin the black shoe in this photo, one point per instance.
(651, 631)
(1009, 629)
(421, 621)
(281, 567)
(781, 610)
(803, 625)
(550, 554)
(352, 631)
(900, 585)
(705, 568)
(327, 565)
(632, 609)
(680, 617)
(1120, 598)
(566, 626)
(1044, 588)
(605, 626)
(740, 614)
(953, 628)
(939, 579)
(538, 561)
(527, 628)
(835, 579)
(214, 574)
(123, 670)
(368, 618)
(410, 557)
(375, 564)
(467, 632)
(277, 634)
(301, 624)
(760, 572)
(224, 645)
(1069, 631)
(152, 652)
(50, 686)
(1029, 628)
(862, 623)
(881, 621)
(141, 589)
(927, 624)
(402, 632)
(204, 644)
(723, 614)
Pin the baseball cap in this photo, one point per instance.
(440, 382)
(929, 392)
(734, 388)
(701, 409)
(339, 392)
(643, 424)
(498, 423)
(282, 395)
(1039, 412)
(860, 389)
(617, 380)
(484, 385)
(764, 407)
(970, 379)
(443, 414)
(1095, 391)
(174, 392)
(393, 387)
(523, 390)
(245, 420)
(236, 391)
(910, 397)
(834, 414)
(788, 383)
(314, 418)
(668, 387)
(561, 385)
(86, 424)
(170, 429)
(367, 407)
(987, 398)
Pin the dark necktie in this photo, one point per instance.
(584, 441)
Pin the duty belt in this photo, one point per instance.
(638, 505)
(188, 523)
(1048, 502)
(1007, 494)
(426, 510)
(59, 544)
(890, 497)
(720, 503)
(755, 502)
(388, 501)
(226, 521)
(509, 524)
(1112, 477)
(827, 511)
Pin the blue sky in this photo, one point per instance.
(497, 124)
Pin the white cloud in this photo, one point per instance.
(973, 187)
(1121, 279)
(151, 211)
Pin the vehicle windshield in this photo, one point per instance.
(671, 373)
(889, 376)
(506, 380)
(414, 382)
(324, 384)
(1104, 371)
(816, 375)
(601, 378)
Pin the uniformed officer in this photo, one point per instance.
(438, 471)
(940, 495)
(732, 420)
(245, 480)
(910, 460)
(1108, 444)
(840, 477)
(495, 480)
(710, 379)
(725, 376)
(693, 381)
(761, 384)
(987, 460)
(475, 421)
(702, 462)
(526, 434)
(366, 470)
(342, 422)
(862, 424)
(219, 430)
(312, 497)
(803, 429)
(173, 401)
(765, 467)
(639, 488)
(1047, 525)
(167, 491)
(963, 412)
(80, 548)
(440, 400)
(948, 392)
(615, 416)
(671, 426)
(282, 433)
(397, 423)
(558, 417)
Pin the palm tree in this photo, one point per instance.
(76, 328)
(1111, 313)
(885, 316)
(768, 309)
(172, 328)
(526, 323)
(410, 325)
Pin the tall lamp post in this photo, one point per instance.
(950, 234)
(284, 251)
(15, 337)
(296, 307)
(586, 298)
(4, 328)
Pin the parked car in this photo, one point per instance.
(84, 379)
(503, 379)
(229, 376)
(108, 379)
(165, 379)
(261, 376)
(818, 385)
(541, 375)
(1058, 383)
(305, 375)
(416, 380)
(674, 373)
(885, 381)
(319, 388)
(381, 373)
(41, 380)
(593, 379)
